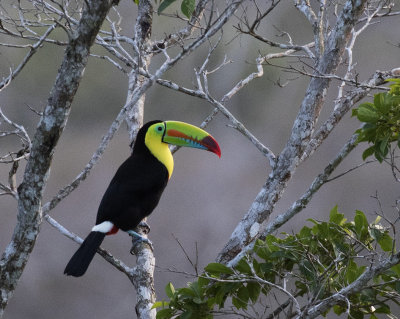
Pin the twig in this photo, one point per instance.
(301, 203)
(193, 264)
(342, 107)
(19, 129)
(356, 286)
(32, 51)
(118, 264)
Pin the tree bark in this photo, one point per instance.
(145, 260)
(48, 132)
(304, 125)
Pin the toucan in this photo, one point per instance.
(138, 184)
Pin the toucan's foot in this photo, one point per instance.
(138, 238)
(144, 227)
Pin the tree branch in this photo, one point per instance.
(356, 286)
(32, 51)
(289, 159)
(48, 132)
(301, 203)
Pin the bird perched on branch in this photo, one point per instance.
(136, 188)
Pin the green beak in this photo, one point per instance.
(183, 134)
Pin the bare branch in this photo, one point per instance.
(20, 130)
(356, 286)
(32, 51)
(118, 264)
(290, 157)
(49, 130)
(302, 202)
(343, 106)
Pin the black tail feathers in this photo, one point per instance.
(80, 261)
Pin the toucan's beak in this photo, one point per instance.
(183, 134)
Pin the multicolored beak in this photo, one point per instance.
(183, 134)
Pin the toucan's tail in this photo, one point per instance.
(80, 261)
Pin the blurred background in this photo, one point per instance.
(206, 197)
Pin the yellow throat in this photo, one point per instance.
(160, 150)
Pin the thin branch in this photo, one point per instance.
(242, 129)
(118, 264)
(32, 51)
(343, 106)
(305, 7)
(356, 286)
(19, 129)
(302, 202)
(136, 94)
(48, 132)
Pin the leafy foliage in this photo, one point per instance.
(382, 122)
(187, 6)
(318, 262)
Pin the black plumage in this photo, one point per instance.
(138, 184)
(80, 261)
(133, 193)
(136, 188)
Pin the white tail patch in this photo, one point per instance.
(104, 227)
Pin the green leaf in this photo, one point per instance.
(165, 4)
(159, 304)
(383, 146)
(164, 313)
(356, 314)
(368, 295)
(243, 295)
(187, 7)
(243, 267)
(170, 290)
(367, 113)
(261, 249)
(368, 152)
(335, 217)
(353, 272)
(396, 269)
(196, 288)
(203, 282)
(376, 233)
(386, 242)
(306, 268)
(378, 154)
(382, 105)
(186, 315)
(361, 225)
(338, 310)
(238, 303)
(222, 290)
(379, 100)
(305, 232)
(218, 269)
(254, 290)
(187, 292)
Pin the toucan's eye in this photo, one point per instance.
(159, 128)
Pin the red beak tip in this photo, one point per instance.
(212, 145)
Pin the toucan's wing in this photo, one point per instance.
(133, 193)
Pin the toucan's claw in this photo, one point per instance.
(136, 239)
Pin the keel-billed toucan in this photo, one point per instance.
(137, 186)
